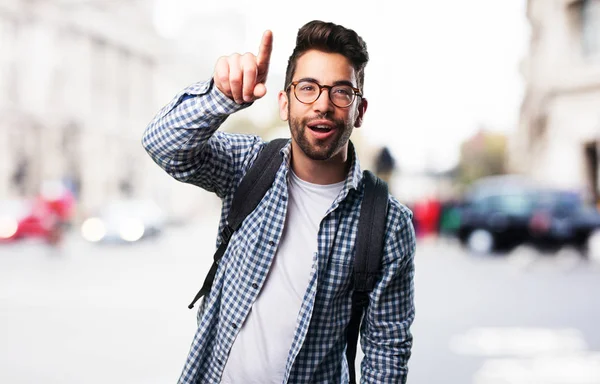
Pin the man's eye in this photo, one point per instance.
(343, 91)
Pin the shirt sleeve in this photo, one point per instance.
(386, 339)
(183, 139)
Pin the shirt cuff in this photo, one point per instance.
(208, 88)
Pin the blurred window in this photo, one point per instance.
(513, 204)
(590, 18)
(510, 204)
(20, 173)
(481, 205)
(8, 59)
(565, 200)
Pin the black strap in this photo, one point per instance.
(367, 260)
(249, 193)
(256, 182)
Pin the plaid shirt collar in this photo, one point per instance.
(353, 178)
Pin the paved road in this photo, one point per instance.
(117, 314)
(524, 318)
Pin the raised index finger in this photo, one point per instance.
(264, 52)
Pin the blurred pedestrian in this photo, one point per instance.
(427, 215)
(449, 222)
(58, 203)
(280, 304)
(385, 164)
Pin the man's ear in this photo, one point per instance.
(283, 105)
(362, 108)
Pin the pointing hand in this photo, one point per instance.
(242, 77)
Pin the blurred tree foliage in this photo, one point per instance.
(484, 154)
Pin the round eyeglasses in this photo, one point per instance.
(308, 91)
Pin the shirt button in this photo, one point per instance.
(234, 325)
(220, 361)
(271, 243)
(254, 285)
(284, 198)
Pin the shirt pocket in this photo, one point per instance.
(343, 256)
(337, 274)
(243, 244)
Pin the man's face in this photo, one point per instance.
(322, 129)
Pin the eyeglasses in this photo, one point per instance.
(308, 91)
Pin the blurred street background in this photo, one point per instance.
(484, 118)
(118, 313)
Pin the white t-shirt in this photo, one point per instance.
(259, 352)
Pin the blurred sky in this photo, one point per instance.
(438, 69)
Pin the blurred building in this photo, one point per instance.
(81, 79)
(77, 86)
(558, 137)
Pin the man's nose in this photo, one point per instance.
(323, 102)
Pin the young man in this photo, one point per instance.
(280, 302)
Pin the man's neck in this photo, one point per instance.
(321, 172)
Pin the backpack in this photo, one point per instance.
(369, 241)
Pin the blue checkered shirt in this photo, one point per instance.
(184, 141)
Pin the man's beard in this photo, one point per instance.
(324, 149)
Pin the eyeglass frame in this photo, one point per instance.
(357, 91)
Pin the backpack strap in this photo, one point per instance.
(253, 187)
(367, 260)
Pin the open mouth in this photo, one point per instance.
(320, 128)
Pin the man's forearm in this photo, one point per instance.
(177, 134)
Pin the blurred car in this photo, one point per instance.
(505, 211)
(124, 221)
(21, 218)
(496, 218)
(562, 218)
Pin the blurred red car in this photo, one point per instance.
(42, 217)
(19, 219)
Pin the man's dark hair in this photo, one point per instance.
(330, 38)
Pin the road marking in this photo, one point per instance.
(523, 256)
(529, 355)
(517, 341)
(572, 369)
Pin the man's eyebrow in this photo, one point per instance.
(339, 82)
(344, 82)
(308, 79)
